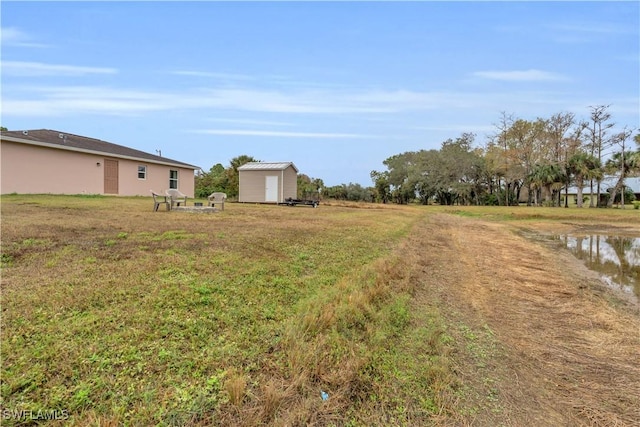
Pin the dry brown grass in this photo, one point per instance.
(553, 346)
(236, 387)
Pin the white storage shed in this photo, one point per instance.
(267, 182)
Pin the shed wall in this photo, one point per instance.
(252, 184)
(290, 187)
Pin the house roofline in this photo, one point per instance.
(96, 152)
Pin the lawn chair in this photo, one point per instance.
(176, 197)
(158, 200)
(217, 199)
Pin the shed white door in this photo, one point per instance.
(271, 189)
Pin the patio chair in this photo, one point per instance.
(217, 199)
(158, 200)
(176, 197)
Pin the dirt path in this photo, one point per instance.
(539, 341)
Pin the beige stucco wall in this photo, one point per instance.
(252, 184)
(30, 169)
(157, 179)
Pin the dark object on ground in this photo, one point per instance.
(289, 201)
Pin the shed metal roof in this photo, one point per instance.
(68, 141)
(264, 166)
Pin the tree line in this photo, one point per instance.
(532, 161)
(523, 160)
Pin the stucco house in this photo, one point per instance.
(51, 162)
(264, 182)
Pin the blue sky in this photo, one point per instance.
(335, 87)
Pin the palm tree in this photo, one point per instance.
(549, 176)
(536, 183)
(583, 166)
(627, 163)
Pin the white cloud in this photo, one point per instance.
(520, 75)
(252, 122)
(31, 69)
(11, 36)
(243, 132)
(315, 101)
(69, 100)
(594, 27)
(458, 128)
(208, 74)
(302, 101)
(34, 101)
(588, 32)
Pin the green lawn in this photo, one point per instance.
(116, 314)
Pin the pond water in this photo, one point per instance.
(616, 258)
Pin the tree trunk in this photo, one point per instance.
(579, 190)
(615, 190)
(506, 192)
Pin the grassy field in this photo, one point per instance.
(116, 315)
(119, 315)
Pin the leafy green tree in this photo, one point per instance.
(495, 170)
(426, 175)
(357, 193)
(461, 167)
(309, 188)
(209, 182)
(232, 174)
(382, 189)
(400, 167)
(336, 192)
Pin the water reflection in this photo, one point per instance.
(616, 258)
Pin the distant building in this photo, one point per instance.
(51, 162)
(267, 182)
(632, 182)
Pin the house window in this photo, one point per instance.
(173, 179)
(142, 172)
